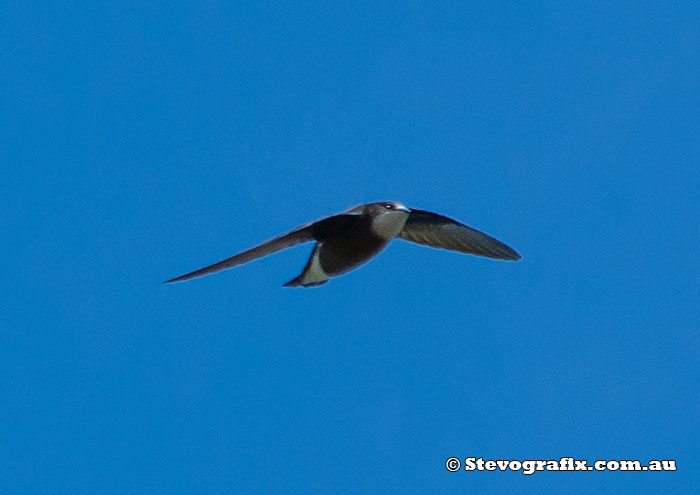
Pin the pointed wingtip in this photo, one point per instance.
(501, 252)
(507, 253)
(511, 256)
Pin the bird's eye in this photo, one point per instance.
(389, 205)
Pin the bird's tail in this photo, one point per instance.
(296, 282)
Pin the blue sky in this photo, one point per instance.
(140, 141)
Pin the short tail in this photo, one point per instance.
(312, 272)
(296, 282)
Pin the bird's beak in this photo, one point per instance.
(403, 208)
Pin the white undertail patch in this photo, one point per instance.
(314, 273)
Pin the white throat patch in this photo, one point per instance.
(389, 224)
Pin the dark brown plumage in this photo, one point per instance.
(349, 239)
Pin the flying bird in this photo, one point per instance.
(346, 240)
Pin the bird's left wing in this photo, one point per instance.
(304, 233)
(438, 231)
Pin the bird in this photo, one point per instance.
(346, 240)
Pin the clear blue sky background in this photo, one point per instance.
(142, 140)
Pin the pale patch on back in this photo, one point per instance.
(389, 224)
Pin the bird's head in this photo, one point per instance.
(388, 217)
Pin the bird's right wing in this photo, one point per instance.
(438, 231)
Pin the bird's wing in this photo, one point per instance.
(438, 231)
(304, 233)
